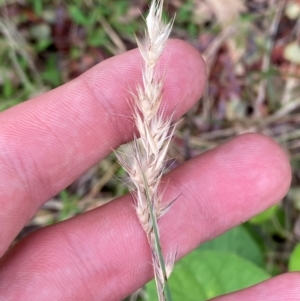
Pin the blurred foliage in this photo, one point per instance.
(294, 261)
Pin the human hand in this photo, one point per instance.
(47, 142)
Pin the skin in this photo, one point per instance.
(47, 142)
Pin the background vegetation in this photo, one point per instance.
(252, 53)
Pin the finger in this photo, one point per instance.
(283, 287)
(49, 141)
(103, 254)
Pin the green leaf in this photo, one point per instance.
(97, 37)
(78, 16)
(294, 262)
(69, 206)
(8, 87)
(206, 274)
(52, 74)
(38, 7)
(238, 241)
(264, 216)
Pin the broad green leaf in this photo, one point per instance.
(237, 241)
(294, 262)
(206, 274)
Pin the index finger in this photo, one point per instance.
(49, 141)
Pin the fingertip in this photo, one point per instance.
(184, 82)
(236, 180)
(186, 75)
(181, 63)
(270, 162)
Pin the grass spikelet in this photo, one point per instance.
(146, 164)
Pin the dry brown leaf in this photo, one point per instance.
(202, 12)
(228, 10)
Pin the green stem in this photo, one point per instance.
(166, 289)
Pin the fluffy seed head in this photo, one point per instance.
(146, 163)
